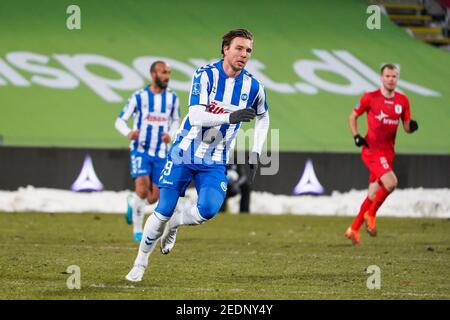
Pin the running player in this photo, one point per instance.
(223, 95)
(385, 107)
(156, 119)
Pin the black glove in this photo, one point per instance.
(254, 165)
(243, 115)
(413, 125)
(360, 141)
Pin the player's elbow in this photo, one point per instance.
(195, 121)
(195, 115)
(352, 119)
(118, 123)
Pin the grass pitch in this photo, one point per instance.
(230, 257)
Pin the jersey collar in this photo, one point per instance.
(219, 66)
(147, 87)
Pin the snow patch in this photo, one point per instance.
(402, 203)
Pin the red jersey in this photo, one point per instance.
(383, 116)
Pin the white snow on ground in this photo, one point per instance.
(402, 203)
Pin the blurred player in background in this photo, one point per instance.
(385, 107)
(155, 111)
(238, 184)
(222, 96)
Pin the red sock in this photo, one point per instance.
(360, 217)
(381, 195)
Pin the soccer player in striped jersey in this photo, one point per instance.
(223, 95)
(155, 109)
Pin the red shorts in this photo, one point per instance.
(377, 162)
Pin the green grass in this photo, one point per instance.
(230, 257)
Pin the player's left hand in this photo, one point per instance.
(254, 165)
(413, 126)
(360, 141)
(165, 137)
(133, 135)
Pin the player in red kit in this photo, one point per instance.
(385, 107)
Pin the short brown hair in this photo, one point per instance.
(389, 66)
(154, 64)
(230, 35)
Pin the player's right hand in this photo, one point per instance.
(133, 135)
(243, 115)
(413, 125)
(360, 141)
(165, 138)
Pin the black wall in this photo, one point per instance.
(345, 171)
(59, 167)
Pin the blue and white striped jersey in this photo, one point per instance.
(219, 93)
(153, 114)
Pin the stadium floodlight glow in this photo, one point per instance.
(308, 184)
(87, 179)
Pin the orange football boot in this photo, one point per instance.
(353, 235)
(370, 224)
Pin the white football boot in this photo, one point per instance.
(136, 273)
(169, 237)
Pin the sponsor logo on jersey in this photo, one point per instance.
(388, 102)
(215, 108)
(390, 121)
(167, 182)
(151, 118)
(383, 118)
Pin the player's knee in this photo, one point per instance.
(392, 185)
(141, 190)
(395, 184)
(153, 197)
(141, 193)
(210, 205)
(207, 211)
